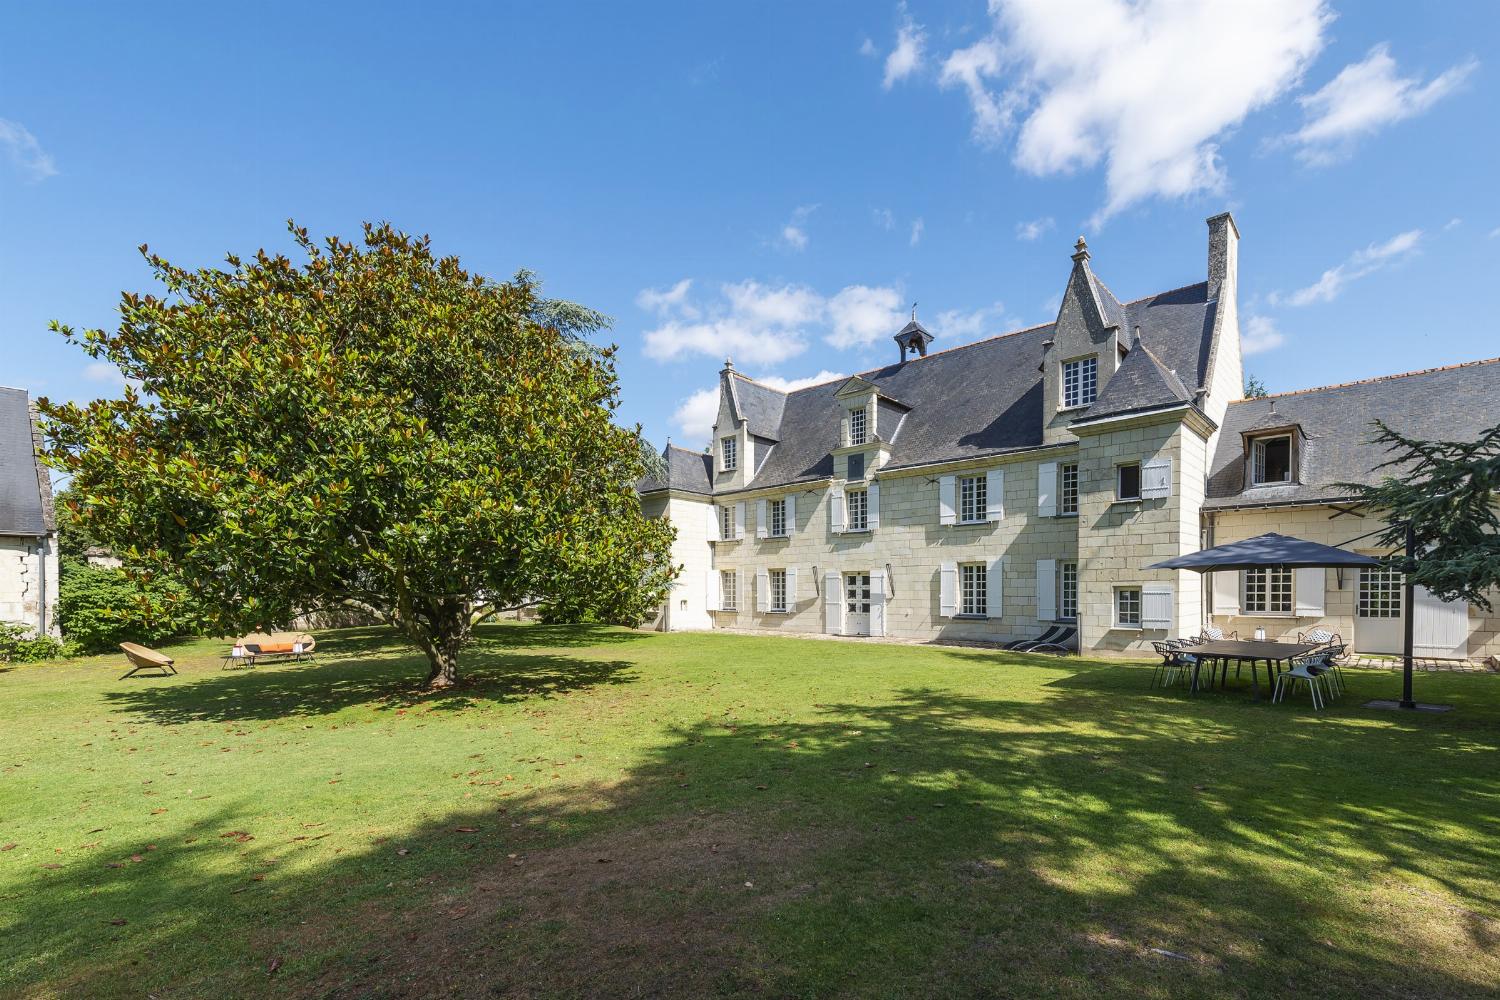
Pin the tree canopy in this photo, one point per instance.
(1448, 491)
(372, 425)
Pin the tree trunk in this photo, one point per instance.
(450, 630)
(444, 667)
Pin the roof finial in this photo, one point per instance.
(913, 312)
(1081, 250)
(728, 363)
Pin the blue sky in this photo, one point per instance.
(777, 182)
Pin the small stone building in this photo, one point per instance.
(28, 527)
(997, 489)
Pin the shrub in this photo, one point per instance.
(22, 644)
(98, 608)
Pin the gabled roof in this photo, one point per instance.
(760, 406)
(25, 488)
(1457, 403)
(687, 470)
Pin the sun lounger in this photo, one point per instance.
(142, 658)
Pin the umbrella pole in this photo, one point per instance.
(1408, 596)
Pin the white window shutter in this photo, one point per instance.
(791, 588)
(1046, 489)
(1046, 590)
(1156, 606)
(762, 519)
(877, 602)
(995, 589)
(739, 519)
(714, 599)
(1226, 593)
(874, 510)
(833, 603)
(947, 500)
(1308, 591)
(1156, 478)
(836, 510)
(762, 591)
(791, 514)
(713, 520)
(948, 589)
(994, 493)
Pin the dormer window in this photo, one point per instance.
(729, 451)
(1080, 382)
(1271, 460)
(857, 426)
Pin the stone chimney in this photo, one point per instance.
(1223, 257)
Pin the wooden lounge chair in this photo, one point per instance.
(142, 658)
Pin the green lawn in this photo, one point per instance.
(605, 812)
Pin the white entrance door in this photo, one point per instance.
(1441, 630)
(856, 603)
(1377, 614)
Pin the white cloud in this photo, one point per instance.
(958, 326)
(1495, 232)
(916, 231)
(663, 301)
(101, 371)
(1452, 223)
(1146, 88)
(1035, 228)
(906, 58)
(883, 218)
(761, 324)
(794, 233)
(861, 315)
(26, 154)
(1362, 262)
(1365, 97)
(1261, 335)
(867, 47)
(793, 384)
(695, 416)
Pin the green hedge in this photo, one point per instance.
(99, 608)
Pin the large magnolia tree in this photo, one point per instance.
(372, 425)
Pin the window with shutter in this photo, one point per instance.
(1156, 606)
(947, 500)
(948, 589)
(973, 499)
(729, 590)
(1128, 607)
(1156, 478)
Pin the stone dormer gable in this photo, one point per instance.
(1142, 383)
(1085, 346)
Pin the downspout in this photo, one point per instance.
(41, 575)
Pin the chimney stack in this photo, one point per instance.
(1223, 257)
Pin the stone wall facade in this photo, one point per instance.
(28, 582)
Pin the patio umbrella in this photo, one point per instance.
(1267, 551)
(1285, 552)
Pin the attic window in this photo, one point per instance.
(729, 449)
(1271, 460)
(857, 426)
(1080, 382)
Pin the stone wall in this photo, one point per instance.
(28, 582)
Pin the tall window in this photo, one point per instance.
(778, 589)
(1080, 381)
(973, 581)
(1128, 481)
(1271, 460)
(1379, 593)
(729, 590)
(856, 465)
(973, 498)
(1268, 591)
(1068, 490)
(1067, 591)
(858, 509)
(857, 427)
(777, 510)
(726, 522)
(729, 448)
(1128, 607)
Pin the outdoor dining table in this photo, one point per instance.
(1250, 651)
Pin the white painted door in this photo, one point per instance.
(1441, 629)
(856, 603)
(1377, 614)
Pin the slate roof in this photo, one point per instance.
(1142, 382)
(687, 470)
(985, 398)
(25, 489)
(760, 405)
(1457, 403)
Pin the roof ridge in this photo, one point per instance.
(1164, 291)
(756, 381)
(1166, 371)
(1369, 381)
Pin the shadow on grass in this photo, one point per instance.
(922, 843)
(360, 666)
